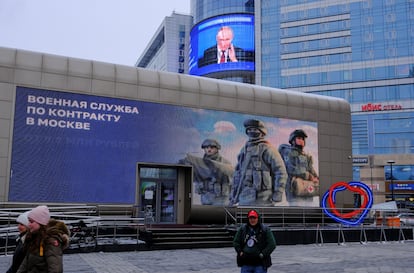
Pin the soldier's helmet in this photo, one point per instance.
(297, 133)
(210, 142)
(254, 123)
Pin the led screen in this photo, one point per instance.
(399, 172)
(71, 147)
(222, 43)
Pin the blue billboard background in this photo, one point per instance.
(203, 36)
(71, 147)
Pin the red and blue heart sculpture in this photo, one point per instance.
(354, 217)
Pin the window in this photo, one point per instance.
(347, 75)
(356, 173)
(150, 172)
(324, 27)
(304, 13)
(345, 7)
(326, 59)
(324, 77)
(367, 4)
(324, 43)
(359, 137)
(390, 17)
(391, 34)
(391, 52)
(368, 37)
(369, 54)
(347, 57)
(368, 20)
(304, 29)
(305, 61)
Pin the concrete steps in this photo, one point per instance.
(187, 237)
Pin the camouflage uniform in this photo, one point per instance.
(212, 175)
(303, 180)
(260, 174)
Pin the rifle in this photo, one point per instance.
(242, 169)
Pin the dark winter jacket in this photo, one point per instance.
(258, 250)
(45, 249)
(19, 254)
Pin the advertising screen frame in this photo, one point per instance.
(70, 147)
(203, 58)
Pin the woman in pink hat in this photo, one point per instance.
(45, 243)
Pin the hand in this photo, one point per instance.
(315, 179)
(277, 196)
(232, 54)
(232, 203)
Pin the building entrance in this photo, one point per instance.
(158, 191)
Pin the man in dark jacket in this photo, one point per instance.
(254, 243)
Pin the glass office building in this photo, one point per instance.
(361, 51)
(168, 49)
(358, 50)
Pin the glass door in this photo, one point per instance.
(158, 193)
(149, 199)
(167, 213)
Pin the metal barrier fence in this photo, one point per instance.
(92, 226)
(88, 228)
(291, 216)
(314, 219)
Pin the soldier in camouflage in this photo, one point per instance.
(211, 149)
(260, 175)
(212, 174)
(303, 181)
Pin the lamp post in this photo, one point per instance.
(391, 179)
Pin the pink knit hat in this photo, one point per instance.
(40, 214)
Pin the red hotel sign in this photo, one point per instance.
(379, 107)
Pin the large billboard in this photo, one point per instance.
(70, 147)
(222, 43)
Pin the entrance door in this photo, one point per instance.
(158, 190)
(167, 201)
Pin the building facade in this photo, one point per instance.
(87, 132)
(358, 50)
(168, 49)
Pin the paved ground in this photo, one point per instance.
(373, 257)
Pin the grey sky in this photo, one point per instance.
(114, 31)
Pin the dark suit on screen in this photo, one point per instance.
(210, 56)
